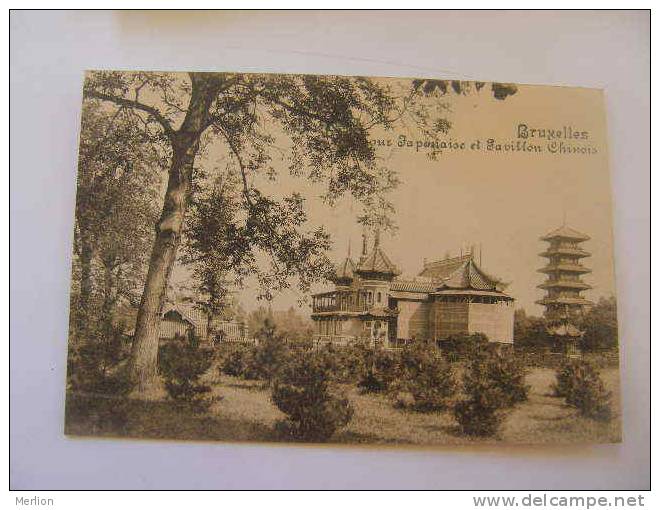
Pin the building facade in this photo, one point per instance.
(372, 302)
(186, 319)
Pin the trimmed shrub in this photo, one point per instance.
(381, 367)
(426, 377)
(580, 384)
(493, 381)
(301, 391)
(181, 363)
(499, 369)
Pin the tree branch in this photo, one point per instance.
(128, 103)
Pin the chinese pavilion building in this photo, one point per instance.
(563, 302)
(372, 302)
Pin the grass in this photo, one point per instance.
(242, 411)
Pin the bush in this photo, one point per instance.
(380, 369)
(235, 362)
(492, 367)
(580, 384)
(481, 414)
(93, 365)
(181, 363)
(259, 362)
(463, 346)
(346, 364)
(426, 377)
(493, 381)
(301, 392)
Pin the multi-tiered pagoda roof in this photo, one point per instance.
(564, 270)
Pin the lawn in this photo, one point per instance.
(242, 411)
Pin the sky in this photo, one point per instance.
(502, 201)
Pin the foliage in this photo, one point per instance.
(529, 332)
(210, 245)
(426, 376)
(182, 363)
(302, 392)
(260, 362)
(600, 326)
(381, 368)
(441, 87)
(493, 381)
(93, 363)
(239, 362)
(294, 326)
(118, 178)
(501, 369)
(580, 384)
(461, 346)
(346, 363)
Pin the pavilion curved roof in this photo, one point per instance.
(461, 273)
(377, 262)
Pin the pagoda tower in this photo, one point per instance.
(563, 302)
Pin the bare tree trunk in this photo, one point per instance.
(185, 143)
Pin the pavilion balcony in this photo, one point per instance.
(342, 301)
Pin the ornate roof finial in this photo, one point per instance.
(377, 238)
(364, 243)
(349, 247)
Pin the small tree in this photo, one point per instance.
(580, 384)
(269, 353)
(182, 363)
(301, 391)
(426, 376)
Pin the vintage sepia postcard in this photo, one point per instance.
(334, 259)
